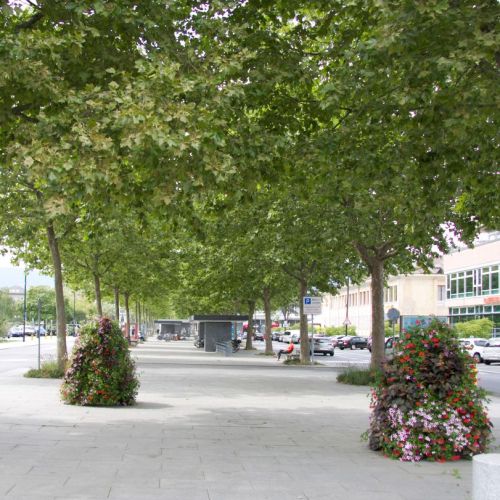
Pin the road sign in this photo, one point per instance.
(393, 314)
(347, 322)
(312, 305)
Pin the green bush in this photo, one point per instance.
(101, 371)
(475, 328)
(48, 369)
(426, 403)
(388, 329)
(338, 330)
(357, 376)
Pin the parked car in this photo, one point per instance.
(351, 342)
(336, 339)
(258, 335)
(275, 335)
(286, 337)
(491, 351)
(323, 345)
(474, 347)
(15, 331)
(295, 336)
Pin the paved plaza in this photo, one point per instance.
(209, 427)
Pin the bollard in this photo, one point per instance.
(486, 477)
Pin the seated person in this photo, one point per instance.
(288, 350)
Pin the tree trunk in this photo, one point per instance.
(251, 312)
(378, 330)
(305, 356)
(117, 304)
(97, 290)
(127, 315)
(62, 352)
(267, 312)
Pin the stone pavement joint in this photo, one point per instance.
(209, 427)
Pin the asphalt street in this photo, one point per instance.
(25, 356)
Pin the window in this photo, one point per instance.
(391, 294)
(441, 293)
(474, 282)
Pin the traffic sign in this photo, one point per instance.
(347, 322)
(393, 314)
(312, 305)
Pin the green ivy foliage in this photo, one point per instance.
(426, 403)
(101, 371)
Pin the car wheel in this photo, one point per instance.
(331, 353)
(487, 362)
(477, 357)
(341, 348)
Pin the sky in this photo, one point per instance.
(11, 275)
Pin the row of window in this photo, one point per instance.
(363, 298)
(474, 282)
(459, 314)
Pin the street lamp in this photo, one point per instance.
(24, 307)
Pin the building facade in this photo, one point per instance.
(416, 294)
(473, 281)
(467, 287)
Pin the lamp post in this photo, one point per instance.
(24, 307)
(346, 321)
(74, 315)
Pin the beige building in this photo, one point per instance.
(467, 287)
(416, 294)
(472, 281)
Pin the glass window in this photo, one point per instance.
(486, 283)
(469, 286)
(454, 288)
(461, 287)
(494, 281)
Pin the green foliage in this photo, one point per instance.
(7, 311)
(426, 404)
(101, 371)
(388, 329)
(336, 330)
(48, 369)
(475, 328)
(357, 376)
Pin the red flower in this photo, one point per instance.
(456, 457)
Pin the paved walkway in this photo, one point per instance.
(208, 427)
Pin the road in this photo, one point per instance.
(16, 356)
(488, 376)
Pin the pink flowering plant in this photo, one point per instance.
(426, 403)
(101, 371)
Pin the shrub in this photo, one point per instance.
(101, 371)
(426, 403)
(357, 376)
(339, 330)
(48, 369)
(475, 328)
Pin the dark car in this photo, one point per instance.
(352, 343)
(323, 345)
